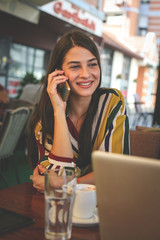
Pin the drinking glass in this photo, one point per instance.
(59, 199)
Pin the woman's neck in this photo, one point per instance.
(78, 106)
(77, 110)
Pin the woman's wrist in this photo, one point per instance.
(59, 113)
(87, 179)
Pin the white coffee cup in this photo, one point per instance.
(85, 201)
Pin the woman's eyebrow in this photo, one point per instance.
(75, 62)
(92, 59)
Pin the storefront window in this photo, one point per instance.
(144, 1)
(142, 32)
(106, 64)
(24, 60)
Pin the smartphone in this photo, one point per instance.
(11, 220)
(64, 90)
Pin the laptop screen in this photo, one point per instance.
(128, 194)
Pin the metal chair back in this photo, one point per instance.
(11, 130)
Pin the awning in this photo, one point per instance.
(147, 47)
(120, 45)
(79, 3)
(21, 10)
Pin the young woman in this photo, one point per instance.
(64, 133)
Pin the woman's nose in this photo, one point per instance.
(84, 72)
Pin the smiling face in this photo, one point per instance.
(82, 69)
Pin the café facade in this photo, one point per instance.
(30, 31)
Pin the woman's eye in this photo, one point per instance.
(75, 66)
(93, 64)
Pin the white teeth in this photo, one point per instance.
(84, 84)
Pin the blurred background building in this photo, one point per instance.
(126, 32)
(30, 29)
(134, 24)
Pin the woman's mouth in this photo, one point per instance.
(85, 84)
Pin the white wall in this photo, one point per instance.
(116, 69)
(132, 76)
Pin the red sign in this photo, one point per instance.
(58, 8)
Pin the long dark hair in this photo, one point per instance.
(44, 110)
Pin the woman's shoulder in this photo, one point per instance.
(111, 91)
(110, 98)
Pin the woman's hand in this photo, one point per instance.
(54, 79)
(38, 180)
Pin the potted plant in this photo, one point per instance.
(28, 78)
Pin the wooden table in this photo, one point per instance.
(24, 199)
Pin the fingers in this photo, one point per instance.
(41, 169)
(40, 190)
(38, 180)
(54, 74)
(35, 172)
(55, 78)
(38, 183)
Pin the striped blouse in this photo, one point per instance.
(110, 132)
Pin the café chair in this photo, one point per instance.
(147, 129)
(31, 93)
(11, 130)
(145, 143)
(142, 117)
(16, 103)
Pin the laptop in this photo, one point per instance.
(128, 195)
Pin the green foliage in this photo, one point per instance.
(29, 78)
(119, 76)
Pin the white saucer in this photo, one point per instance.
(86, 222)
